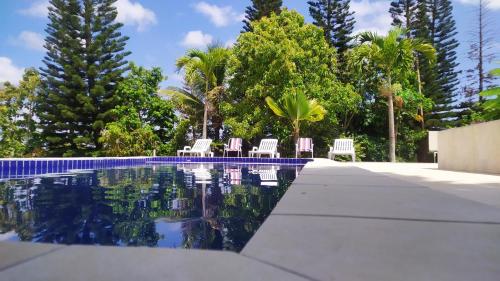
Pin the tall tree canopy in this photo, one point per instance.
(393, 57)
(432, 21)
(18, 135)
(337, 21)
(403, 13)
(83, 65)
(205, 72)
(259, 9)
(146, 120)
(281, 55)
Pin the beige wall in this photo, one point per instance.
(474, 148)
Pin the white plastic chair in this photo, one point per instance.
(342, 147)
(234, 145)
(201, 147)
(267, 146)
(304, 145)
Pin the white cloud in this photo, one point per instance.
(219, 16)
(133, 13)
(37, 9)
(9, 72)
(176, 78)
(230, 43)
(372, 16)
(30, 40)
(492, 4)
(196, 39)
(129, 13)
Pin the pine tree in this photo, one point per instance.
(259, 9)
(84, 62)
(337, 21)
(446, 67)
(403, 13)
(434, 24)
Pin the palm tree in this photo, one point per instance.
(296, 107)
(394, 56)
(205, 70)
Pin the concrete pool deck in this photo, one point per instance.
(337, 221)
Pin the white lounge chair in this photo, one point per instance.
(201, 147)
(342, 147)
(267, 146)
(234, 145)
(304, 145)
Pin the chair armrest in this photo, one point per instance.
(226, 146)
(331, 148)
(255, 148)
(187, 147)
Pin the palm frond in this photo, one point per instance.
(275, 107)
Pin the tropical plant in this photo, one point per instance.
(393, 55)
(18, 134)
(296, 108)
(491, 106)
(144, 120)
(281, 54)
(205, 70)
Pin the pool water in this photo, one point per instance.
(203, 206)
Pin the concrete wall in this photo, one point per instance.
(474, 148)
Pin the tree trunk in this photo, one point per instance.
(296, 132)
(392, 136)
(205, 118)
(205, 112)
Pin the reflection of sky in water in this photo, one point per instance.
(170, 233)
(9, 236)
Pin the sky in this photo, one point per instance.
(161, 31)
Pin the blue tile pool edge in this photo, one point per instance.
(11, 168)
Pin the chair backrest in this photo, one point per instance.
(343, 145)
(202, 145)
(433, 141)
(268, 145)
(305, 144)
(235, 143)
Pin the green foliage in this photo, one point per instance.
(145, 121)
(11, 142)
(18, 136)
(83, 65)
(126, 138)
(393, 60)
(492, 106)
(205, 76)
(296, 108)
(337, 22)
(281, 55)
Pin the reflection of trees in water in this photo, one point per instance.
(120, 206)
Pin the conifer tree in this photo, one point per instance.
(259, 9)
(337, 21)
(84, 62)
(446, 67)
(432, 21)
(403, 13)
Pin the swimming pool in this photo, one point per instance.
(174, 205)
